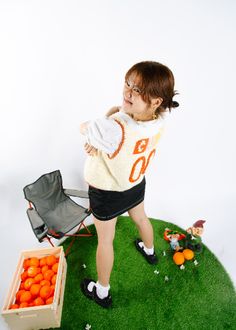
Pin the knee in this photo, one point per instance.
(141, 221)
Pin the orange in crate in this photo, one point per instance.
(51, 260)
(28, 295)
(45, 292)
(25, 297)
(35, 289)
(28, 283)
(34, 262)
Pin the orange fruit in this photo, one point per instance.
(31, 304)
(188, 254)
(45, 282)
(34, 290)
(55, 267)
(34, 262)
(22, 286)
(32, 271)
(24, 276)
(45, 292)
(53, 279)
(48, 274)
(28, 283)
(53, 288)
(25, 297)
(178, 258)
(38, 301)
(18, 294)
(49, 301)
(23, 305)
(26, 264)
(42, 262)
(51, 260)
(14, 306)
(38, 278)
(44, 269)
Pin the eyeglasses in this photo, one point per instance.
(136, 91)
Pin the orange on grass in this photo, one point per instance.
(38, 278)
(38, 301)
(32, 271)
(34, 262)
(14, 306)
(45, 292)
(188, 254)
(28, 283)
(23, 305)
(24, 275)
(34, 290)
(44, 269)
(51, 260)
(48, 274)
(25, 297)
(178, 258)
(55, 267)
(45, 282)
(49, 301)
(43, 262)
(53, 279)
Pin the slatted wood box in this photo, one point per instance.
(38, 317)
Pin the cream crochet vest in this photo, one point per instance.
(127, 166)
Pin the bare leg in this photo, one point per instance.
(105, 253)
(143, 224)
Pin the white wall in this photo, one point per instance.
(63, 62)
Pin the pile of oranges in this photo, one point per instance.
(38, 281)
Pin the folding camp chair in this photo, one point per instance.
(51, 212)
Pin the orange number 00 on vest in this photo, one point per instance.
(140, 165)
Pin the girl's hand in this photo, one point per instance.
(83, 127)
(92, 151)
(112, 111)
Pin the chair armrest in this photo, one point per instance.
(39, 227)
(76, 193)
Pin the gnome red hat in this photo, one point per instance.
(199, 223)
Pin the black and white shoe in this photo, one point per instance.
(105, 302)
(151, 258)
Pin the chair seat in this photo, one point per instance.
(66, 216)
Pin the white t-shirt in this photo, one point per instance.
(105, 133)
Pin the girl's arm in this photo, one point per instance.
(103, 134)
(112, 111)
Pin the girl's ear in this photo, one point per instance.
(156, 102)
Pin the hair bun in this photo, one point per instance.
(174, 104)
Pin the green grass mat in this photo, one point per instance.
(198, 297)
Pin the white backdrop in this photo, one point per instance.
(63, 62)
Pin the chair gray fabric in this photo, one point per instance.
(55, 212)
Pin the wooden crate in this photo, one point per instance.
(38, 317)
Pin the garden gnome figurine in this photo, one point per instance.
(173, 237)
(193, 239)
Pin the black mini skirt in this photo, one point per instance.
(106, 204)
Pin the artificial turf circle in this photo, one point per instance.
(198, 297)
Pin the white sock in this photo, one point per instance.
(148, 251)
(102, 291)
(91, 285)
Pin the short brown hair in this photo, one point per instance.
(155, 80)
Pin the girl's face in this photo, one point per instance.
(133, 104)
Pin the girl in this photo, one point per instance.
(120, 147)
